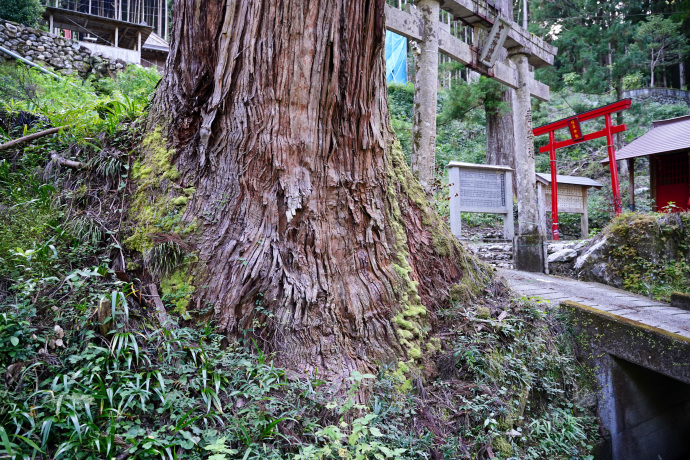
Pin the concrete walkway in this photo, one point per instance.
(606, 298)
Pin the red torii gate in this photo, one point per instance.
(576, 136)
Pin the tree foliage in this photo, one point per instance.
(26, 12)
(661, 42)
(597, 40)
(464, 97)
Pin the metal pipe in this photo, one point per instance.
(32, 64)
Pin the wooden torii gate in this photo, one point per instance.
(421, 23)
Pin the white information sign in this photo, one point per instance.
(480, 188)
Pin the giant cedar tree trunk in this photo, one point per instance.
(310, 232)
(500, 137)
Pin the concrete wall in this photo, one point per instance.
(58, 53)
(643, 380)
(647, 414)
(114, 53)
(660, 95)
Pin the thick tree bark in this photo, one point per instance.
(310, 232)
(500, 137)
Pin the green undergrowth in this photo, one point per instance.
(90, 373)
(505, 385)
(89, 107)
(523, 393)
(48, 211)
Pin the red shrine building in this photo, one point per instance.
(667, 145)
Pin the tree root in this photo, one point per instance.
(69, 163)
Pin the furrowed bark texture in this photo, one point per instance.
(277, 113)
(500, 137)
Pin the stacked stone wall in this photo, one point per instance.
(57, 53)
(660, 95)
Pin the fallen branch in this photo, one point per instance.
(163, 318)
(31, 137)
(69, 163)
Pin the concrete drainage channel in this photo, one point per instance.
(499, 253)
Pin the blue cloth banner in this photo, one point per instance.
(396, 58)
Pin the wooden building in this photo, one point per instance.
(116, 39)
(154, 52)
(110, 37)
(667, 145)
(155, 13)
(572, 198)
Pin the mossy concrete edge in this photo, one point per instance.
(601, 333)
(628, 321)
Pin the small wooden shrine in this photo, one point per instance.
(667, 145)
(572, 197)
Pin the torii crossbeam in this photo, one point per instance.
(477, 13)
(577, 136)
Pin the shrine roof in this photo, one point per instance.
(572, 180)
(156, 43)
(666, 136)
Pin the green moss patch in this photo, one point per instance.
(644, 253)
(412, 318)
(177, 289)
(158, 204)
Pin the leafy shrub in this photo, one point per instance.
(136, 82)
(27, 12)
(16, 335)
(70, 101)
(527, 383)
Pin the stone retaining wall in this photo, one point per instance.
(60, 54)
(660, 95)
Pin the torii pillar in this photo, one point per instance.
(422, 26)
(425, 94)
(528, 245)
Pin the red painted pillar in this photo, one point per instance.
(554, 186)
(617, 203)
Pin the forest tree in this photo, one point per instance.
(269, 141)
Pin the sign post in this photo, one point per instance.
(480, 188)
(576, 135)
